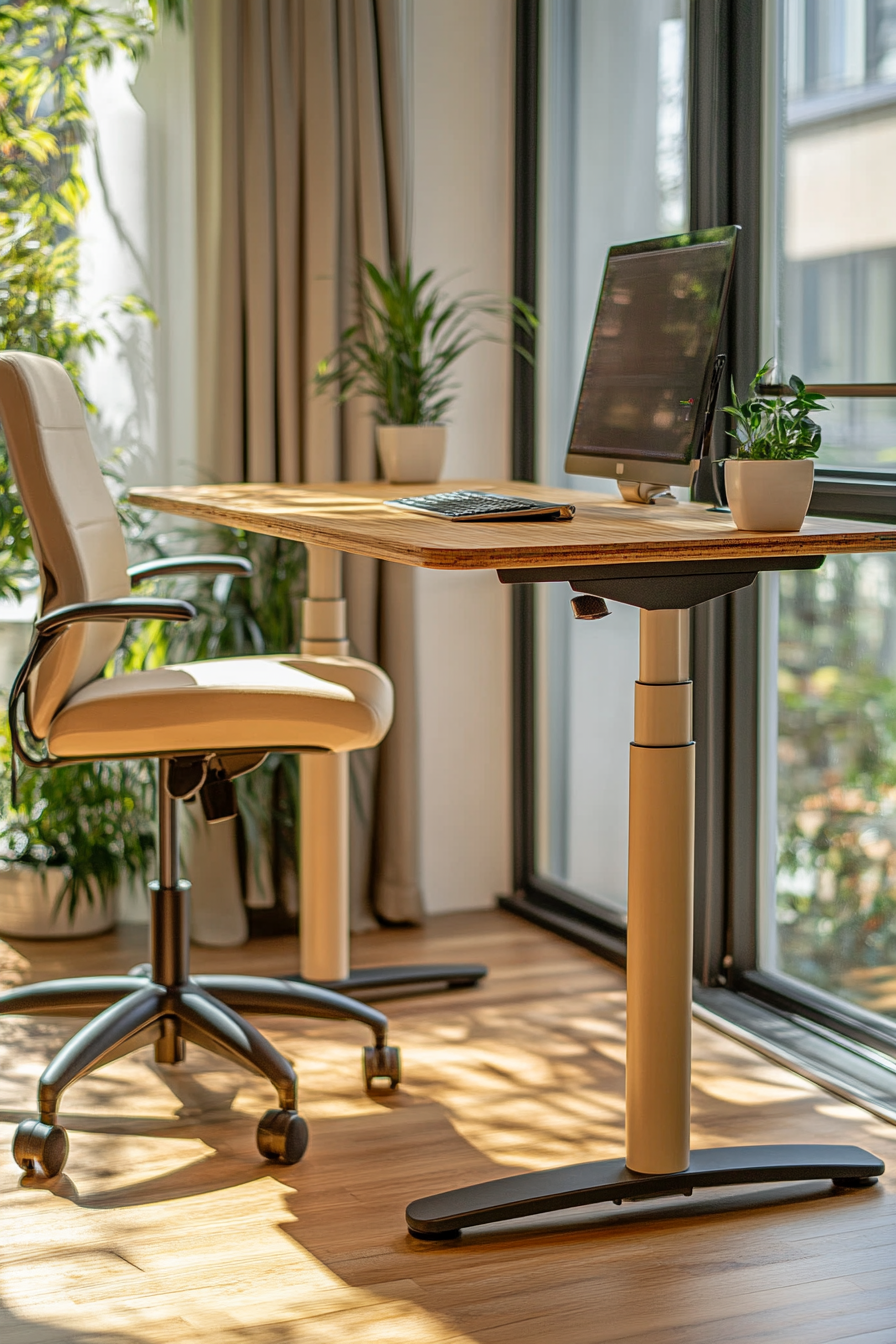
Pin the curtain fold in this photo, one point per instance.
(301, 168)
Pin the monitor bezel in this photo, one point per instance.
(661, 470)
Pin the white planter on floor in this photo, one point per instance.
(769, 496)
(411, 454)
(30, 908)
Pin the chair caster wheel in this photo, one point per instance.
(36, 1144)
(143, 971)
(282, 1137)
(382, 1061)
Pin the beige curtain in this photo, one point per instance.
(300, 168)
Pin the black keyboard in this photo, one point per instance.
(462, 506)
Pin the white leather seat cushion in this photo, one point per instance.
(277, 700)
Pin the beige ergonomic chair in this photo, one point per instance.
(206, 723)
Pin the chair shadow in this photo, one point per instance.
(206, 1114)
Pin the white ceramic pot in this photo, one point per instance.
(769, 496)
(411, 454)
(29, 906)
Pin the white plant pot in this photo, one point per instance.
(769, 496)
(411, 454)
(29, 906)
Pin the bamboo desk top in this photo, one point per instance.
(351, 516)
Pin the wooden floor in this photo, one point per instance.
(167, 1227)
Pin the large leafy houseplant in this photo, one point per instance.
(95, 820)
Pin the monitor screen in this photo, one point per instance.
(652, 349)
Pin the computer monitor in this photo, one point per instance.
(648, 378)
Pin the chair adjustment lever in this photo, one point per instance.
(218, 799)
(186, 776)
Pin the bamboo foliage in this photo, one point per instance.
(94, 820)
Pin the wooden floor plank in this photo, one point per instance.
(166, 1226)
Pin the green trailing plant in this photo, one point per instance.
(775, 429)
(408, 338)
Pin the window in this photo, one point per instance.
(795, 677)
(614, 155)
(828, 778)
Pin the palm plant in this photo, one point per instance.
(407, 340)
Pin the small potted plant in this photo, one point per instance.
(769, 478)
(402, 352)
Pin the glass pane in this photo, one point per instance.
(833, 282)
(828, 834)
(835, 887)
(614, 138)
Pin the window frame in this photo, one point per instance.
(729, 50)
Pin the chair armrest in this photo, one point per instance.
(115, 609)
(172, 565)
(48, 630)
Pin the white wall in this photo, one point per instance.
(462, 146)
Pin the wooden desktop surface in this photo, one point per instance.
(352, 516)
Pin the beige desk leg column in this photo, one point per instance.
(660, 902)
(324, 795)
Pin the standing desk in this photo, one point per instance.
(664, 561)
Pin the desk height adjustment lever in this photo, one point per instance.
(588, 608)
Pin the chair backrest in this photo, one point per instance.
(77, 537)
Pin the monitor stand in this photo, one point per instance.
(645, 492)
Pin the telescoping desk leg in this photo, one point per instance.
(324, 828)
(660, 901)
(324, 795)
(658, 1159)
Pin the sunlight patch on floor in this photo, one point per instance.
(747, 1091)
(146, 1271)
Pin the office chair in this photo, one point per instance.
(205, 723)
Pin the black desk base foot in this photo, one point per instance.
(371, 979)
(439, 1217)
